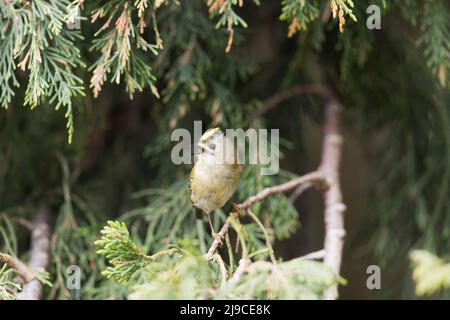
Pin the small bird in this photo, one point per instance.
(215, 176)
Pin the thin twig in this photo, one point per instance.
(24, 222)
(326, 14)
(291, 92)
(316, 255)
(40, 253)
(230, 252)
(237, 226)
(299, 191)
(222, 268)
(316, 177)
(21, 268)
(222, 233)
(266, 235)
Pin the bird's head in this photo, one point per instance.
(209, 142)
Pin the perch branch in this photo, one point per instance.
(316, 177)
(40, 253)
(312, 177)
(316, 255)
(222, 233)
(334, 207)
(296, 90)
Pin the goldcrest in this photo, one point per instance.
(215, 176)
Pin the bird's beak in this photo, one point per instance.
(203, 147)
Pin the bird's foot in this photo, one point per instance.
(236, 208)
(218, 237)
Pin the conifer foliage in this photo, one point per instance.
(128, 72)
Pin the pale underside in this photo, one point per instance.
(212, 185)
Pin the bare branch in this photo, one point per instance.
(296, 90)
(241, 270)
(21, 268)
(222, 268)
(221, 235)
(326, 13)
(316, 255)
(316, 177)
(299, 191)
(24, 222)
(40, 253)
(334, 207)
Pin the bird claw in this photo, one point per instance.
(218, 237)
(236, 208)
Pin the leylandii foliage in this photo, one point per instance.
(35, 40)
(222, 61)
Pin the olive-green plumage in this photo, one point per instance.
(216, 174)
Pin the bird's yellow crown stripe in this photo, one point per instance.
(209, 133)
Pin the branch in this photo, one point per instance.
(316, 177)
(24, 272)
(316, 255)
(296, 90)
(326, 14)
(24, 222)
(40, 253)
(299, 191)
(222, 233)
(334, 207)
(241, 270)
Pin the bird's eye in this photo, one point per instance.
(212, 146)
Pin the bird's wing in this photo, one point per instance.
(191, 180)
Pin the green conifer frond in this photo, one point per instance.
(123, 48)
(123, 253)
(436, 38)
(8, 289)
(34, 39)
(194, 278)
(430, 273)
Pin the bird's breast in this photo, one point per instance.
(212, 185)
